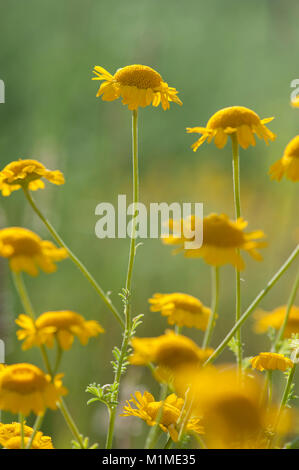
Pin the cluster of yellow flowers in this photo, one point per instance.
(221, 406)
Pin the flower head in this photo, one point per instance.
(233, 120)
(222, 240)
(62, 325)
(271, 361)
(288, 165)
(147, 409)
(27, 173)
(10, 437)
(27, 252)
(265, 320)
(137, 85)
(25, 388)
(181, 309)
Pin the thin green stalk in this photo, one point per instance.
(169, 443)
(36, 427)
(253, 305)
(70, 422)
(155, 430)
(21, 419)
(214, 307)
(287, 389)
(22, 291)
(73, 257)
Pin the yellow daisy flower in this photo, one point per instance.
(27, 173)
(25, 388)
(233, 120)
(27, 252)
(181, 309)
(137, 85)
(147, 409)
(222, 240)
(62, 325)
(288, 165)
(274, 319)
(10, 437)
(271, 361)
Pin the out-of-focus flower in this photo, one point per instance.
(27, 252)
(181, 309)
(222, 240)
(62, 325)
(148, 409)
(28, 174)
(137, 85)
(25, 388)
(274, 319)
(10, 437)
(271, 361)
(238, 120)
(288, 165)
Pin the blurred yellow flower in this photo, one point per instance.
(62, 325)
(181, 309)
(27, 173)
(288, 165)
(25, 388)
(271, 361)
(27, 252)
(148, 409)
(233, 120)
(274, 319)
(10, 437)
(137, 85)
(222, 238)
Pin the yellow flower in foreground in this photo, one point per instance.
(62, 325)
(147, 409)
(27, 252)
(288, 165)
(222, 240)
(25, 388)
(265, 320)
(181, 309)
(10, 437)
(271, 361)
(27, 173)
(233, 120)
(137, 85)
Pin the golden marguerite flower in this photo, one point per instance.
(222, 240)
(271, 361)
(233, 120)
(25, 388)
(27, 173)
(181, 309)
(288, 165)
(10, 437)
(27, 252)
(61, 325)
(274, 319)
(137, 85)
(147, 409)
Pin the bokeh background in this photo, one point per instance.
(217, 53)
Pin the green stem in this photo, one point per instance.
(169, 443)
(36, 427)
(253, 305)
(155, 430)
(71, 423)
(23, 294)
(287, 389)
(21, 419)
(214, 307)
(74, 258)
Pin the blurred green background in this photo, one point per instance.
(217, 53)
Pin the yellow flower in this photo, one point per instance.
(27, 252)
(137, 85)
(25, 388)
(265, 320)
(288, 165)
(10, 437)
(27, 173)
(147, 409)
(222, 238)
(233, 120)
(271, 361)
(62, 325)
(181, 309)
